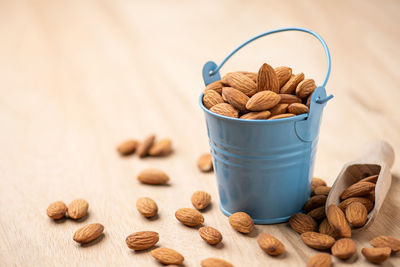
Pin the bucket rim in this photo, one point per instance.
(294, 118)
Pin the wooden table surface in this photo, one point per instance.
(78, 77)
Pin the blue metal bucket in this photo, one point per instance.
(265, 167)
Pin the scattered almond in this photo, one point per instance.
(318, 214)
(305, 88)
(211, 235)
(322, 190)
(189, 217)
(88, 233)
(302, 223)
(162, 148)
(235, 98)
(271, 245)
(386, 241)
(262, 101)
(297, 108)
(147, 207)
(261, 115)
(357, 190)
(225, 109)
(376, 255)
(167, 256)
(128, 147)
(320, 260)
(344, 248)
(317, 182)
(283, 74)
(240, 82)
(144, 147)
(56, 210)
(241, 222)
(142, 240)
(215, 262)
(315, 202)
(201, 200)
(356, 214)
(267, 79)
(338, 221)
(204, 163)
(153, 176)
(291, 84)
(327, 229)
(317, 240)
(78, 208)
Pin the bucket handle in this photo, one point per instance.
(211, 70)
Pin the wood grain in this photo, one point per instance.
(79, 77)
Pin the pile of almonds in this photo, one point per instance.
(334, 230)
(148, 147)
(269, 94)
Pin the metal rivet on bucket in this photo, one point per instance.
(264, 167)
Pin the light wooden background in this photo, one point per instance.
(77, 77)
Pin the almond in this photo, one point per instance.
(241, 222)
(290, 85)
(297, 108)
(215, 86)
(212, 98)
(225, 109)
(376, 255)
(142, 240)
(144, 147)
(267, 79)
(320, 260)
(317, 182)
(315, 202)
(327, 229)
(365, 201)
(88, 233)
(240, 82)
(283, 74)
(128, 147)
(279, 109)
(282, 116)
(271, 245)
(302, 223)
(189, 217)
(260, 115)
(318, 214)
(211, 235)
(372, 179)
(357, 190)
(162, 148)
(147, 207)
(251, 75)
(215, 262)
(305, 88)
(344, 248)
(263, 100)
(201, 200)
(317, 240)
(356, 214)
(236, 98)
(167, 256)
(56, 210)
(322, 190)
(338, 221)
(153, 176)
(308, 101)
(289, 99)
(78, 208)
(204, 163)
(386, 241)
(371, 196)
